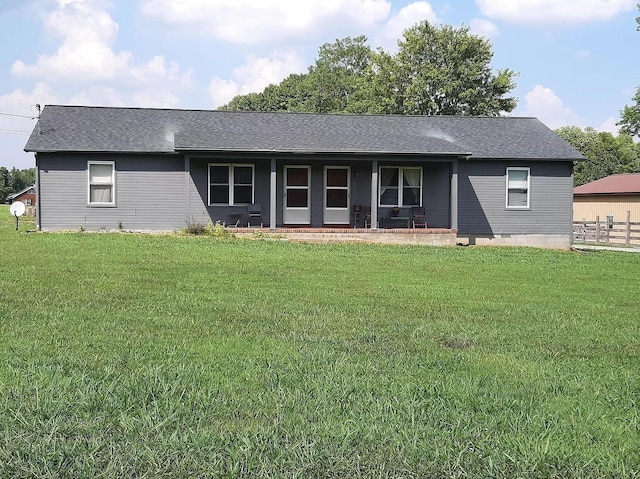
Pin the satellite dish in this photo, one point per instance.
(17, 208)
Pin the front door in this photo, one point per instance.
(336, 195)
(297, 181)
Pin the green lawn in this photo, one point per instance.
(129, 355)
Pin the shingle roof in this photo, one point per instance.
(611, 185)
(148, 130)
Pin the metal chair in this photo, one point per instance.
(367, 216)
(418, 217)
(255, 215)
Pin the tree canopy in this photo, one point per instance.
(14, 180)
(438, 70)
(630, 117)
(606, 154)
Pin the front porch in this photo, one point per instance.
(413, 236)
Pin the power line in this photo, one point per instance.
(19, 116)
(14, 132)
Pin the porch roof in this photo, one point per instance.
(148, 130)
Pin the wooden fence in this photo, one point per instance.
(607, 232)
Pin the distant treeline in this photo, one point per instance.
(14, 180)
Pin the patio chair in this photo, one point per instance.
(367, 216)
(418, 217)
(255, 215)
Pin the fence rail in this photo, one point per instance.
(607, 232)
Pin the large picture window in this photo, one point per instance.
(231, 184)
(518, 186)
(102, 181)
(400, 186)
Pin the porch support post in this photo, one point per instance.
(272, 195)
(374, 195)
(454, 195)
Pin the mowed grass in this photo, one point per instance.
(129, 355)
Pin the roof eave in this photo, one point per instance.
(322, 152)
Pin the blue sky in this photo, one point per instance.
(577, 60)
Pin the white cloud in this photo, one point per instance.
(19, 101)
(543, 103)
(554, 11)
(86, 56)
(87, 34)
(222, 91)
(405, 18)
(609, 125)
(15, 130)
(255, 75)
(267, 21)
(484, 28)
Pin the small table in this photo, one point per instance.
(404, 220)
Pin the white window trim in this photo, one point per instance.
(230, 167)
(506, 200)
(113, 183)
(400, 184)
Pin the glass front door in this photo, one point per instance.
(336, 194)
(297, 181)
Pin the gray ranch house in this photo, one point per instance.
(489, 180)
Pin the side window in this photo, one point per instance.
(102, 181)
(518, 187)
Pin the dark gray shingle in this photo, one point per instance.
(147, 130)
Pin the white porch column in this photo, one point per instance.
(454, 194)
(374, 195)
(272, 195)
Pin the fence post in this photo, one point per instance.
(628, 238)
(597, 229)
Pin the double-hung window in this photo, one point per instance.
(518, 187)
(102, 182)
(231, 184)
(400, 186)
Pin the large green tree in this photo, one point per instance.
(442, 70)
(14, 180)
(630, 116)
(438, 70)
(606, 154)
(5, 184)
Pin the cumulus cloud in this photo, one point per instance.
(609, 125)
(267, 21)
(484, 28)
(543, 103)
(554, 11)
(15, 130)
(256, 74)
(407, 17)
(87, 35)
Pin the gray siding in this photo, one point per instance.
(149, 193)
(198, 209)
(436, 187)
(482, 190)
(436, 199)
